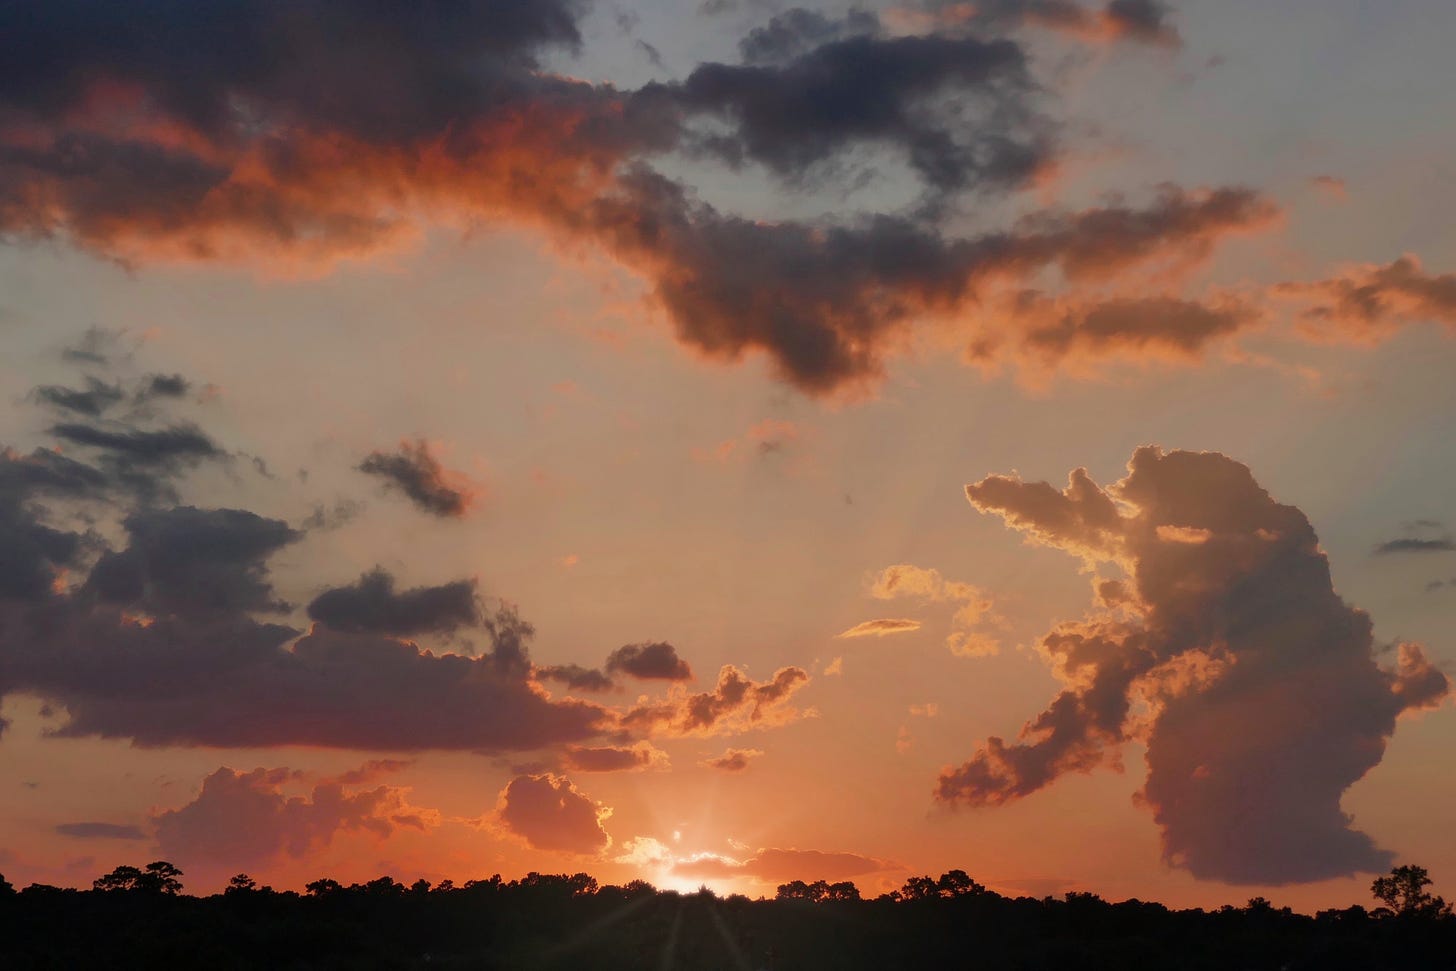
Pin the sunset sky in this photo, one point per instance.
(728, 442)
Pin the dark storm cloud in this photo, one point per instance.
(657, 661)
(413, 470)
(797, 31)
(191, 562)
(372, 605)
(1229, 629)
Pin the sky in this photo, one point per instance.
(730, 443)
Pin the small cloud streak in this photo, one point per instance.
(881, 627)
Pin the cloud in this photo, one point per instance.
(303, 137)
(736, 704)
(973, 609)
(372, 605)
(244, 818)
(229, 681)
(635, 758)
(881, 627)
(1045, 334)
(732, 760)
(774, 865)
(103, 831)
(812, 88)
(1436, 539)
(189, 562)
(1249, 664)
(1368, 303)
(550, 813)
(416, 472)
(1144, 21)
(657, 661)
(92, 402)
(576, 677)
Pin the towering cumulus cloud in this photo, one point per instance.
(1264, 698)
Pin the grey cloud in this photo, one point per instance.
(654, 661)
(372, 605)
(414, 471)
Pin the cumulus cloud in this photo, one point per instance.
(732, 760)
(1368, 303)
(372, 605)
(773, 865)
(973, 605)
(189, 562)
(550, 813)
(244, 818)
(649, 662)
(162, 642)
(415, 471)
(634, 758)
(736, 704)
(309, 136)
(1261, 694)
(881, 627)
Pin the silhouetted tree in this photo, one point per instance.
(1404, 893)
(958, 883)
(159, 877)
(6, 889)
(920, 888)
(241, 883)
(323, 887)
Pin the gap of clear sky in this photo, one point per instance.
(730, 443)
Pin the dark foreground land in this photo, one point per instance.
(547, 921)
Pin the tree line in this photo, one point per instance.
(140, 917)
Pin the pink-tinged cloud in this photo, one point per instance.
(732, 760)
(736, 704)
(881, 627)
(244, 818)
(1369, 303)
(773, 865)
(1265, 694)
(550, 813)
